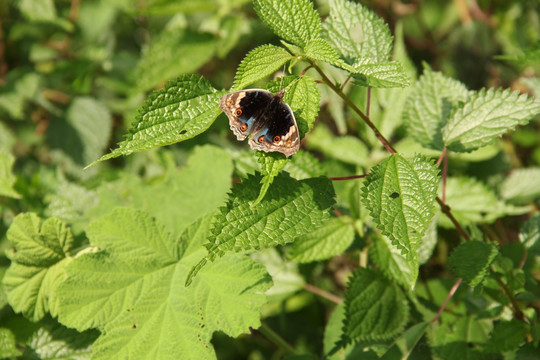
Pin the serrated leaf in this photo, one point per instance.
(321, 50)
(330, 239)
(172, 53)
(473, 202)
(304, 165)
(471, 261)
(400, 195)
(270, 164)
(391, 262)
(529, 234)
(486, 115)
(7, 179)
(521, 186)
(259, 63)
(507, 336)
(429, 105)
(303, 96)
(380, 75)
(8, 345)
(294, 21)
(357, 33)
(181, 110)
(140, 297)
(39, 256)
(375, 308)
(429, 240)
(289, 209)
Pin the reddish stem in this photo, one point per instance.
(348, 177)
(448, 297)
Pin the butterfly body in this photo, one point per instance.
(263, 116)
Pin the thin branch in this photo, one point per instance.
(323, 293)
(274, 337)
(348, 177)
(448, 297)
(446, 210)
(355, 108)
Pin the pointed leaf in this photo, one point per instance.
(8, 345)
(380, 75)
(181, 110)
(471, 261)
(294, 21)
(7, 179)
(260, 63)
(429, 105)
(404, 345)
(521, 186)
(486, 115)
(271, 164)
(507, 336)
(375, 308)
(289, 209)
(40, 253)
(142, 308)
(392, 263)
(321, 50)
(331, 239)
(400, 196)
(357, 33)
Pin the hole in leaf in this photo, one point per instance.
(182, 132)
(394, 195)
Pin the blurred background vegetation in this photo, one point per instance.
(73, 74)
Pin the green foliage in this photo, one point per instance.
(406, 226)
(399, 195)
(375, 308)
(471, 261)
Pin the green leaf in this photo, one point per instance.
(142, 308)
(330, 239)
(429, 241)
(58, 342)
(391, 262)
(271, 164)
(506, 336)
(38, 10)
(429, 106)
(346, 148)
(183, 109)
(289, 209)
(7, 179)
(521, 186)
(404, 345)
(321, 50)
(460, 340)
(375, 308)
(357, 33)
(304, 165)
(474, 202)
(529, 234)
(259, 63)
(39, 256)
(380, 75)
(294, 21)
(172, 53)
(471, 261)
(400, 195)
(8, 345)
(486, 115)
(303, 96)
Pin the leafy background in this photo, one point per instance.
(284, 258)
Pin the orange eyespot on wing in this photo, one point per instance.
(243, 127)
(260, 139)
(238, 112)
(277, 138)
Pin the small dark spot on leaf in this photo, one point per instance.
(394, 195)
(182, 132)
(134, 326)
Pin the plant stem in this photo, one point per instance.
(446, 210)
(355, 108)
(348, 177)
(448, 297)
(274, 337)
(323, 293)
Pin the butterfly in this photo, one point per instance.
(265, 117)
